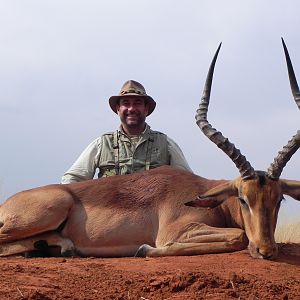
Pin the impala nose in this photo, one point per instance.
(267, 252)
(264, 254)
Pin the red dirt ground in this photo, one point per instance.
(215, 276)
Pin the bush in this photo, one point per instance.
(288, 233)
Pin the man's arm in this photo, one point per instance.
(84, 167)
(177, 158)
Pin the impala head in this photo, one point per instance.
(259, 193)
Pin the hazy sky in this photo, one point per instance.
(60, 61)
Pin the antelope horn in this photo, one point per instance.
(215, 136)
(292, 146)
(292, 77)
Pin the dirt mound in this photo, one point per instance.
(215, 276)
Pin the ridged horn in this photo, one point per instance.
(293, 145)
(292, 77)
(215, 136)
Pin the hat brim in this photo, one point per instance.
(114, 100)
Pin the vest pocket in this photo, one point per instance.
(157, 157)
(107, 171)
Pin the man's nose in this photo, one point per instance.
(131, 108)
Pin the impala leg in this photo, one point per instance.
(36, 242)
(33, 212)
(201, 239)
(202, 233)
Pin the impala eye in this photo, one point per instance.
(280, 201)
(243, 202)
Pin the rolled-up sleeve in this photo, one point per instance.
(177, 158)
(84, 167)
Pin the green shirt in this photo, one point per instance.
(116, 153)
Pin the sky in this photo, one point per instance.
(60, 61)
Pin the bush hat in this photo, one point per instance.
(135, 89)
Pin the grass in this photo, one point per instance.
(288, 233)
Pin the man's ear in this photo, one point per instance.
(147, 107)
(118, 108)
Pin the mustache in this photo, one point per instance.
(132, 114)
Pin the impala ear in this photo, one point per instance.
(204, 202)
(215, 196)
(291, 188)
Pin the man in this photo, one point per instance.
(133, 147)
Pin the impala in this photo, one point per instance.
(153, 213)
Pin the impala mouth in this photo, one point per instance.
(263, 252)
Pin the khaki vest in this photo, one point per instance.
(119, 155)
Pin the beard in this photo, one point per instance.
(132, 119)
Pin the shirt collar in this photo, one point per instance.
(145, 132)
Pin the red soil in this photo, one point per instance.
(215, 276)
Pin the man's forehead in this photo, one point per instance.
(132, 99)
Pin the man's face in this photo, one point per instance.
(132, 111)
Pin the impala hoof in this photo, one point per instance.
(41, 245)
(68, 253)
(67, 248)
(142, 251)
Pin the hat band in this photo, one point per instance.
(134, 91)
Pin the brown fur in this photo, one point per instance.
(142, 213)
